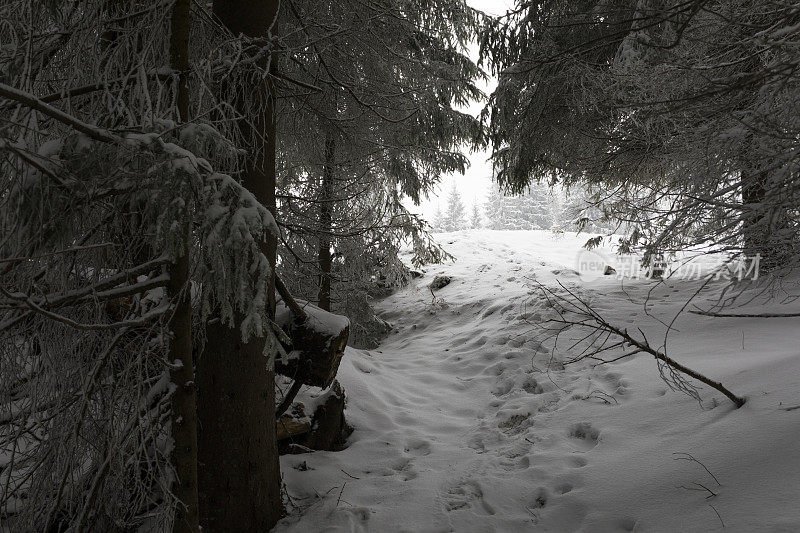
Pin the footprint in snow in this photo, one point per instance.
(418, 447)
(518, 341)
(618, 384)
(584, 435)
(577, 461)
(516, 464)
(564, 488)
(404, 468)
(362, 367)
(466, 495)
(531, 386)
(503, 387)
(515, 424)
(492, 309)
(539, 499)
(462, 339)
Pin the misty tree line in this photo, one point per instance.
(163, 164)
(538, 207)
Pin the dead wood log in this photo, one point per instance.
(288, 427)
(326, 430)
(318, 340)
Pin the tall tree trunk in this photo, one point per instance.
(752, 198)
(239, 470)
(762, 223)
(184, 401)
(326, 222)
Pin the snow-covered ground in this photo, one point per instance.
(461, 427)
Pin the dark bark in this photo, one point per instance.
(763, 221)
(239, 470)
(239, 477)
(318, 351)
(753, 230)
(184, 401)
(328, 429)
(326, 223)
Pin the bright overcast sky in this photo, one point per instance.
(475, 182)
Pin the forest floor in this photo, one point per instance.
(465, 422)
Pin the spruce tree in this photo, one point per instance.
(475, 216)
(454, 217)
(240, 476)
(495, 209)
(438, 219)
(362, 131)
(680, 116)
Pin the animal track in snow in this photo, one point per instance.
(540, 498)
(577, 461)
(515, 424)
(503, 387)
(404, 468)
(584, 435)
(516, 463)
(531, 386)
(418, 447)
(466, 495)
(564, 488)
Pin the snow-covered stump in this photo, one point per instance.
(318, 342)
(326, 430)
(315, 347)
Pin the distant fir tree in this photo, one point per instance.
(454, 217)
(438, 220)
(532, 210)
(475, 221)
(537, 207)
(495, 209)
(557, 210)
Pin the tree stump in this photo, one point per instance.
(327, 430)
(318, 342)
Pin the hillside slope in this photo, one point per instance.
(464, 422)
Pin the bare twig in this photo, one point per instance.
(718, 515)
(349, 475)
(744, 315)
(683, 456)
(339, 499)
(700, 487)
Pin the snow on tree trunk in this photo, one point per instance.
(240, 478)
(326, 222)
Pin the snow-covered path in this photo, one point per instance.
(460, 427)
